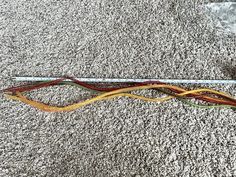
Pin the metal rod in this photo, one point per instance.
(119, 80)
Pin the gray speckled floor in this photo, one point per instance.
(122, 137)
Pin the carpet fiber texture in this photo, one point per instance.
(120, 137)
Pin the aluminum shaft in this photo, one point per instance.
(120, 80)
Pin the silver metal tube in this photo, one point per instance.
(119, 80)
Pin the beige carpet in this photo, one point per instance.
(122, 137)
